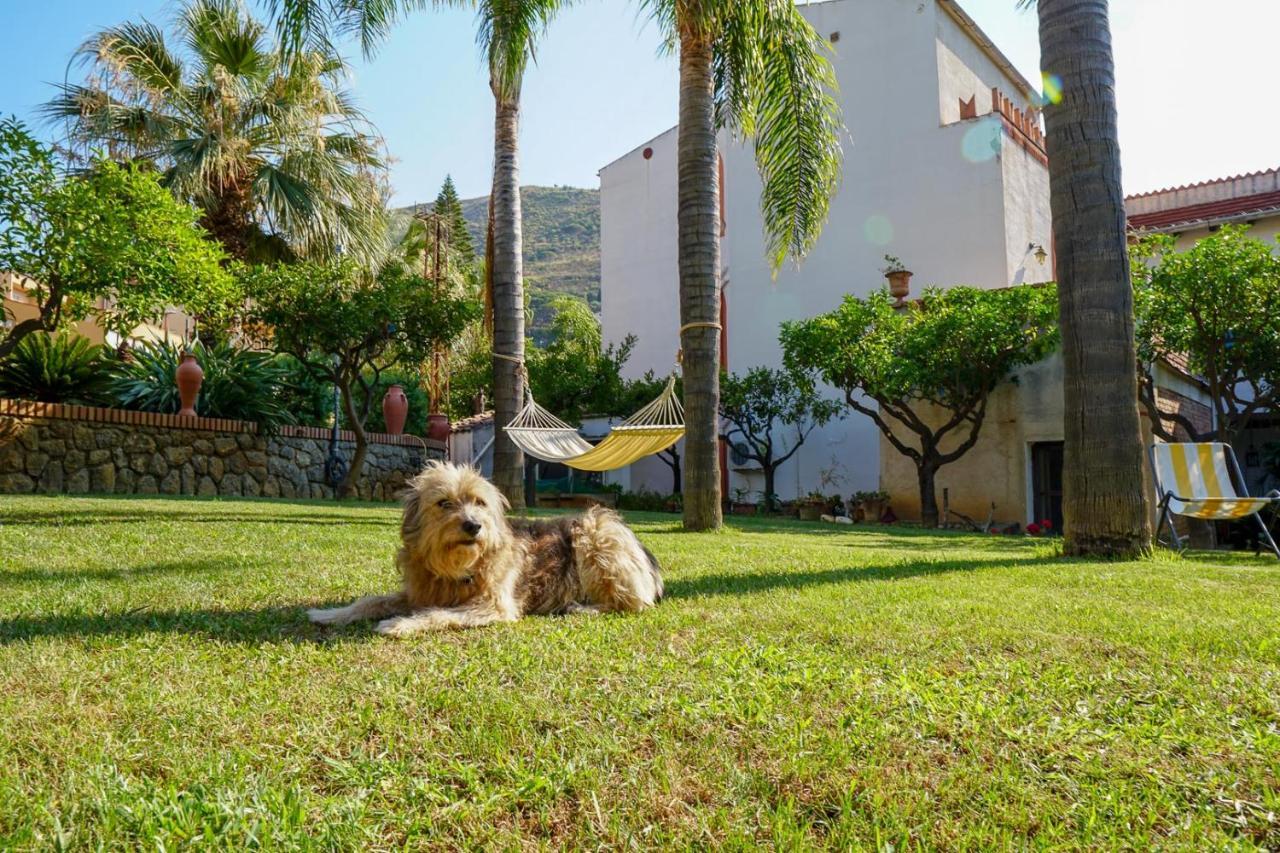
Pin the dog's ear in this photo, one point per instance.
(492, 493)
(411, 522)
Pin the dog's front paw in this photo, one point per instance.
(399, 626)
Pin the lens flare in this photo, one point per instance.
(1052, 89)
(981, 142)
(878, 229)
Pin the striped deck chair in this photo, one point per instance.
(1194, 480)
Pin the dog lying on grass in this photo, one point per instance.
(464, 564)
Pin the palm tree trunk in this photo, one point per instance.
(1104, 500)
(508, 299)
(699, 260)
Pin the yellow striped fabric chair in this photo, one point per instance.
(1194, 480)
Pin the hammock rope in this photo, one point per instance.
(654, 428)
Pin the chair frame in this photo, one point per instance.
(1167, 495)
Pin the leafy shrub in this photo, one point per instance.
(63, 368)
(308, 397)
(646, 500)
(238, 383)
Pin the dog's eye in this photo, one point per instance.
(480, 503)
(445, 504)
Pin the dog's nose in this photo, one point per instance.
(471, 528)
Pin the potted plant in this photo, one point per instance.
(870, 505)
(899, 277)
(812, 506)
(741, 504)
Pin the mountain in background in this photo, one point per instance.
(561, 229)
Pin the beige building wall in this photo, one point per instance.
(19, 305)
(997, 469)
(1265, 228)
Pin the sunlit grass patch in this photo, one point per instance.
(802, 685)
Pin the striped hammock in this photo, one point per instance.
(654, 428)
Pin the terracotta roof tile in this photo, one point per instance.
(1261, 203)
(465, 424)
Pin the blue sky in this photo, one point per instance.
(1195, 101)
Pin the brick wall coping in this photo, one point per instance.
(126, 417)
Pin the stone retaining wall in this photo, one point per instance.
(77, 449)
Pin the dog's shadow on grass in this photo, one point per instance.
(288, 623)
(176, 568)
(278, 624)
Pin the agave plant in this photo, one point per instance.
(238, 383)
(57, 368)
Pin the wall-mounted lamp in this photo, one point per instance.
(1041, 254)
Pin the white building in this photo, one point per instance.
(944, 168)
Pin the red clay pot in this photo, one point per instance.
(899, 284)
(395, 408)
(189, 377)
(438, 426)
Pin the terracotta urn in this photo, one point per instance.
(189, 377)
(899, 284)
(395, 408)
(438, 427)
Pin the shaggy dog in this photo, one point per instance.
(464, 564)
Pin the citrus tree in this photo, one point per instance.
(575, 374)
(755, 405)
(347, 327)
(924, 373)
(1216, 306)
(111, 243)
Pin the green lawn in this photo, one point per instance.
(801, 686)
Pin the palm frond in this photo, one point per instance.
(508, 31)
(777, 88)
(136, 51)
(223, 35)
(236, 124)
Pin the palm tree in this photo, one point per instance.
(1104, 498)
(269, 146)
(508, 31)
(759, 67)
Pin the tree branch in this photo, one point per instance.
(904, 449)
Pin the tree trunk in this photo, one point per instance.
(672, 458)
(770, 478)
(925, 474)
(1104, 501)
(699, 260)
(348, 484)
(228, 219)
(508, 300)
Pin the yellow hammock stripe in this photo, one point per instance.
(624, 445)
(654, 428)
